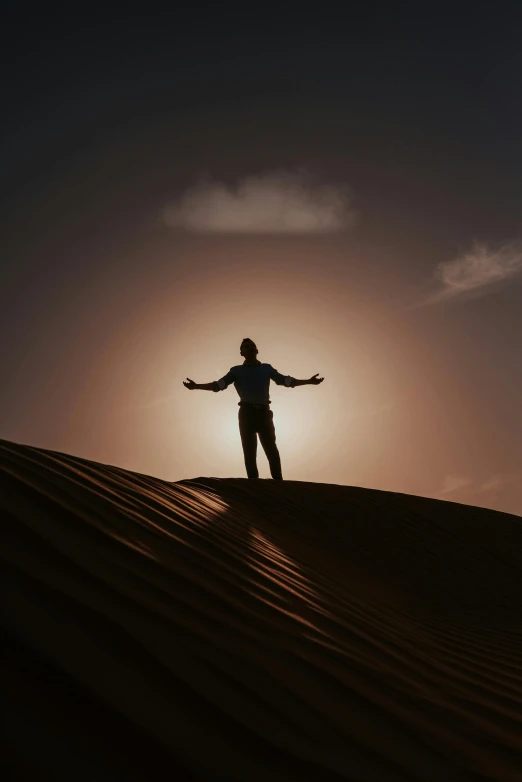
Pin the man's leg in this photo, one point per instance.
(249, 442)
(267, 436)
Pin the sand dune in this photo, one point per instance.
(254, 630)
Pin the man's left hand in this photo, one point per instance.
(315, 380)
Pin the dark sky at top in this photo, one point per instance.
(410, 93)
(109, 113)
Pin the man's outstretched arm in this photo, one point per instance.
(292, 382)
(217, 385)
(188, 383)
(312, 381)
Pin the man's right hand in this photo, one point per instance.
(188, 383)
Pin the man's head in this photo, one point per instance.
(248, 349)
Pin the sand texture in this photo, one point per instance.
(225, 629)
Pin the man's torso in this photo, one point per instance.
(252, 383)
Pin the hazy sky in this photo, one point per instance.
(345, 190)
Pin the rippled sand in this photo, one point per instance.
(226, 629)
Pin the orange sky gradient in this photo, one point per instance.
(389, 414)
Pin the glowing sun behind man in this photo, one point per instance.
(251, 380)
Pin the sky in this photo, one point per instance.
(344, 188)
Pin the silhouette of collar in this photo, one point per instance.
(251, 365)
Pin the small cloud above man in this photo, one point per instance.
(284, 202)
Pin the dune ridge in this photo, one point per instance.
(233, 629)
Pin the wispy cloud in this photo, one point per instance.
(454, 482)
(501, 491)
(476, 272)
(280, 202)
(501, 481)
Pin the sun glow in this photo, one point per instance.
(298, 429)
(325, 433)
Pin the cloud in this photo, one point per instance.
(279, 202)
(453, 482)
(500, 482)
(477, 271)
(501, 491)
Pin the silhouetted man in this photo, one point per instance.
(252, 380)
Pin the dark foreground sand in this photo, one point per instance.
(253, 630)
